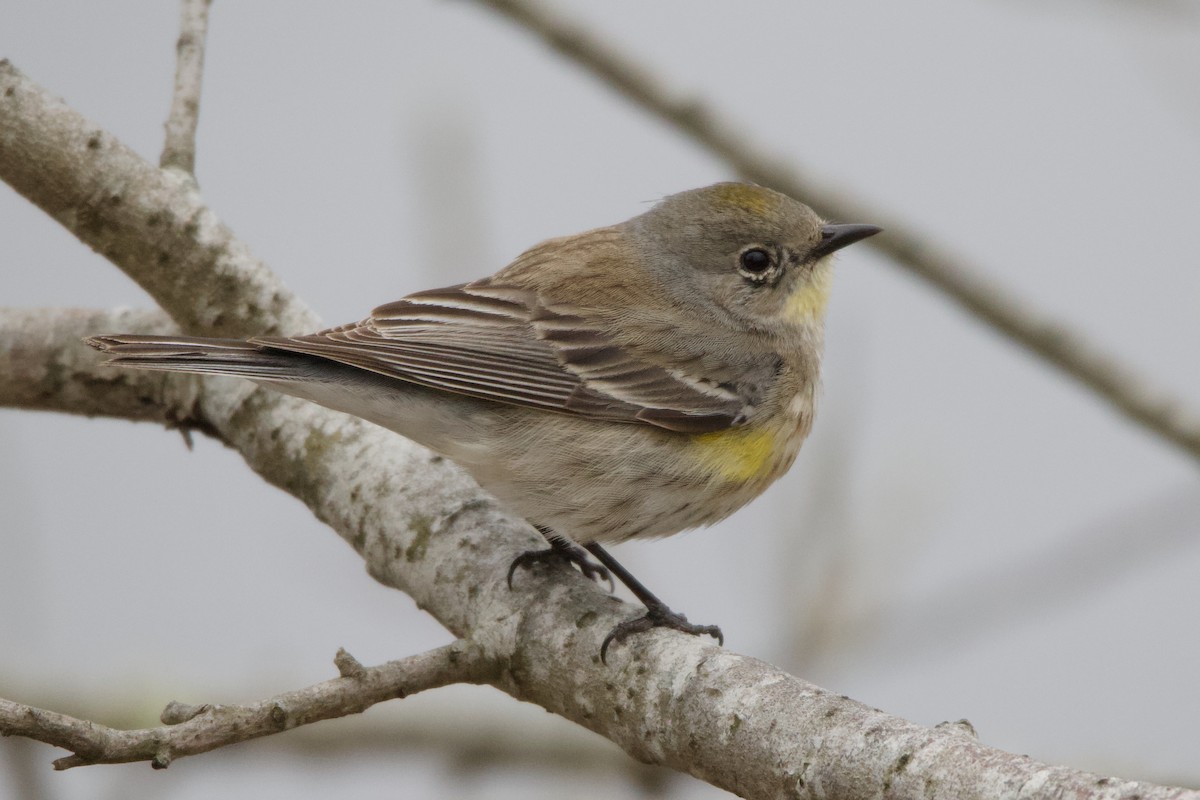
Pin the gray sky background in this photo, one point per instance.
(966, 534)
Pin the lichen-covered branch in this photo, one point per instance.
(150, 222)
(951, 273)
(44, 368)
(191, 730)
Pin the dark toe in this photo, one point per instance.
(562, 553)
(657, 617)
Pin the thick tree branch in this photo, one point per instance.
(179, 148)
(950, 273)
(43, 368)
(190, 730)
(421, 526)
(149, 222)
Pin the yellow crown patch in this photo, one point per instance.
(747, 196)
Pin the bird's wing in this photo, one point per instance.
(500, 343)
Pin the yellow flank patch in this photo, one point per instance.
(809, 300)
(737, 454)
(754, 199)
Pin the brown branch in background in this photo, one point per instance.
(1041, 334)
(179, 149)
(190, 730)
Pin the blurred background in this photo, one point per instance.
(967, 534)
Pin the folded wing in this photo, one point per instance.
(499, 343)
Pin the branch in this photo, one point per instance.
(179, 149)
(44, 368)
(471, 730)
(1041, 334)
(149, 222)
(734, 721)
(423, 527)
(190, 730)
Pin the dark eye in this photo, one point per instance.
(755, 261)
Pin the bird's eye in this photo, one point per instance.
(755, 261)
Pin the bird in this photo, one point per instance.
(627, 382)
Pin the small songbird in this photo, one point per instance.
(626, 382)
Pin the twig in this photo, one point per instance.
(179, 148)
(471, 729)
(1041, 334)
(189, 730)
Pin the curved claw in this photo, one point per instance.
(656, 617)
(597, 573)
(525, 559)
(571, 555)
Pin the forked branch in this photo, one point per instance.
(190, 730)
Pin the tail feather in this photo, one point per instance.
(198, 354)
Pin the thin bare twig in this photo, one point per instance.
(189, 730)
(470, 730)
(179, 149)
(1037, 331)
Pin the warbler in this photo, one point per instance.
(626, 382)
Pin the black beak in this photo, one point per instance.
(835, 237)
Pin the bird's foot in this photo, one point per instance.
(561, 551)
(656, 616)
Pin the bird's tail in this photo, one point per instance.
(197, 354)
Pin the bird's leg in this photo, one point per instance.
(657, 615)
(560, 549)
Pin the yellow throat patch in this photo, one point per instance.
(809, 301)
